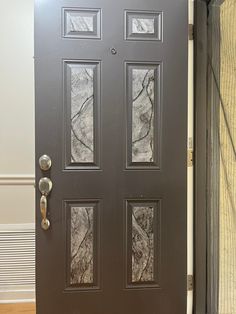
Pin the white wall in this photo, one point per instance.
(16, 151)
(16, 112)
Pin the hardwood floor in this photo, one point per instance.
(18, 308)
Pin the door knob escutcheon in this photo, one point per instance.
(45, 185)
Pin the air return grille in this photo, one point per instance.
(17, 256)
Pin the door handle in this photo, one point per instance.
(45, 187)
(45, 223)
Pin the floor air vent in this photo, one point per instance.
(17, 262)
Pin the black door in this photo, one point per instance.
(111, 112)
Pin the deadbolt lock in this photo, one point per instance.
(45, 162)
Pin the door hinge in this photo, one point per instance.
(190, 157)
(190, 283)
(190, 31)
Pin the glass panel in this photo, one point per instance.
(82, 23)
(142, 26)
(143, 115)
(79, 23)
(142, 243)
(82, 113)
(82, 258)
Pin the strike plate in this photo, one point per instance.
(191, 32)
(190, 283)
(190, 158)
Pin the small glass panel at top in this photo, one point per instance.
(143, 25)
(82, 23)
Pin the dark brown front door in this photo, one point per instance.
(111, 112)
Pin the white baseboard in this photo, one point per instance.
(20, 296)
(17, 263)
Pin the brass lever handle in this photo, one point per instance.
(45, 224)
(45, 186)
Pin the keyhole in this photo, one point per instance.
(113, 51)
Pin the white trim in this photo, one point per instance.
(17, 301)
(190, 170)
(17, 179)
(18, 290)
(17, 227)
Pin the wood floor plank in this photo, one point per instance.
(19, 308)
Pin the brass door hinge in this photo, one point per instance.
(190, 158)
(190, 283)
(190, 31)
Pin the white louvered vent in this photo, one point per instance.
(17, 256)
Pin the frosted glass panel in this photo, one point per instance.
(82, 258)
(142, 244)
(82, 109)
(142, 26)
(82, 23)
(79, 23)
(143, 115)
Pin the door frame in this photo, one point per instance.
(200, 153)
(206, 177)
